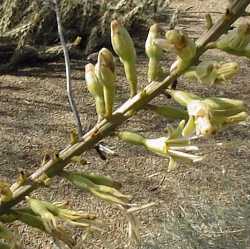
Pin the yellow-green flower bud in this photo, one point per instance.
(27, 216)
(225, 104)
(227, 70)
(103, 180)
(183, 97)
(40, 208)
(154, 53)
(107, 193)
(96, 89)
(236, 41)
(164, 146)
(189, 128)
(207, 115)
(182, 45)
(168, 111)
(123, 46)
(210, 72)
(105, 71)
(202, 114)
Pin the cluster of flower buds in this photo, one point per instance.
(27, 216)
(50, 213)
(236, 41)
(211, 72)
(174, 146)
(123, 46)
(208, 115)
(100, 186)
(105, 72)
(154, 53)
(182, 45)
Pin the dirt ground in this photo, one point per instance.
(199, 206)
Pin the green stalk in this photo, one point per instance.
(109, 93)
(130, 72)
(155, 72)
(100, 107)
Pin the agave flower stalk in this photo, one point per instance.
(96, 89)
(182, 45)
(211, 72)
(104, 192)
(172, 147)
(207, 115)
(154, 53)
(105, 71)
(123, 46)
(236, 41)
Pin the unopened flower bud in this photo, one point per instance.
(96, 89)
(182, 45)
(105, 71)
(123, 46)
(211, 72)
(236, 41)
(154, 53)
(107, 193)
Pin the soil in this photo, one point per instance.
(204, 205)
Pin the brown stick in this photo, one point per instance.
(128, 109)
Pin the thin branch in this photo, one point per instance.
(128, 109)
(68, 72)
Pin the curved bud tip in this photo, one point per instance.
(106, 58)
(89, 67)
(155, 28)
(115, 26)
(244, 28)
(177, 38)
